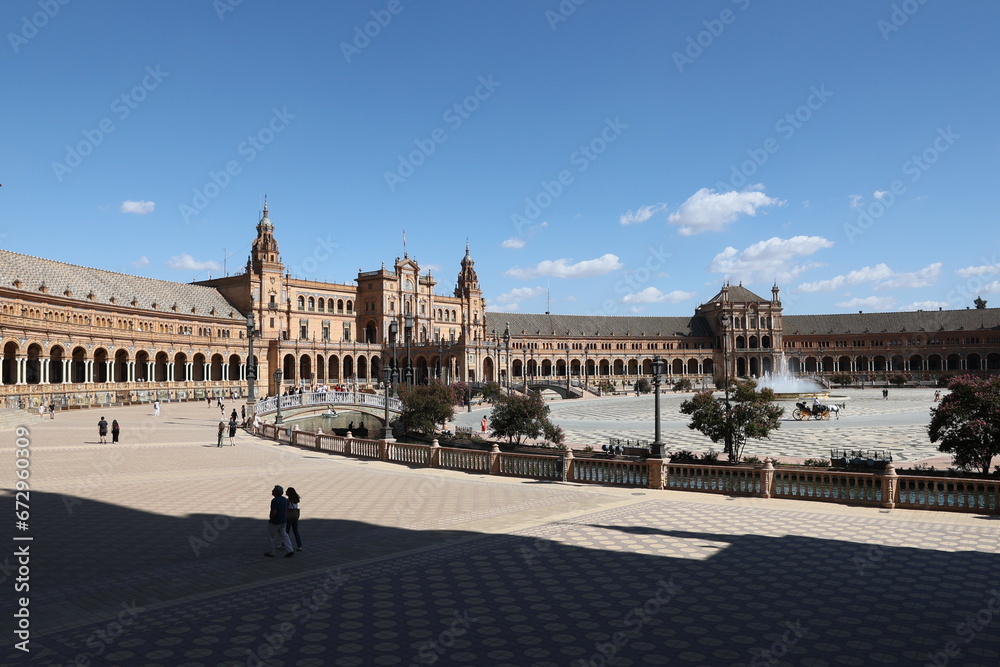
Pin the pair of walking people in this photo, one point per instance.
(283, 518)
(232, 431)
(102, 430)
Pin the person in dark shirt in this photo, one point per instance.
(276, 520)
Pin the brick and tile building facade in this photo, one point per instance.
(75, 335)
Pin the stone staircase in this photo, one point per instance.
(11, 418)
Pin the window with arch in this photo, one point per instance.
(340, 305)
(312, 303)
(302, 303)
(321, 306)
(350, 306)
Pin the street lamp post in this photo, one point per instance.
(657, 447)
(393, 332)
(408, 332)
(277, 398)
(506, 345)
(725, 320)
(586, 367)
(251, 367)
(387, 434)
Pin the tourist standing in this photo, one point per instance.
(232, 429)
(156, 408)
(102, 430)
(222, 432)
(276, 520)
(292, 518)
(115, 431)
(52, 410)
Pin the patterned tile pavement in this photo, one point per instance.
(150, 553)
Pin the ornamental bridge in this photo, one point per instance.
(299, 405)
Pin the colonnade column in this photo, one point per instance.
(109, 369)
(44, 379)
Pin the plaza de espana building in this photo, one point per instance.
(75, 336)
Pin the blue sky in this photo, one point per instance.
(611, 158)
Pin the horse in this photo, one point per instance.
(835, 408)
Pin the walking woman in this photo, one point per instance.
(292, 525)
(115, 431)
(232, 429)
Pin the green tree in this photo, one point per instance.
(426, 406)
(750, 414)
(492, 392)
(683, 384)
(980, 304)
(460, 391)
(517, 417)
(898, 380)
(843, 379)
(643, 386)
(967, 422)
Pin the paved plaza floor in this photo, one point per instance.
(898, 424)
(150, 552)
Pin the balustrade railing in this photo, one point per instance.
(613, 473)
(863, 488)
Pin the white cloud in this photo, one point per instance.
(503, 307)
(856, 200)
(878, 194)
(880, 275)
(642, 214)
(863, 275)
(138, 207)
(773, 259)
(984, 270)
(142, 261)
(991, 288)
(513, 242)
(923, 278)
(708, 210)
(653, 295)
(870, 303)
(927, 305)
(186, 262)
(561, 268)
(519, 294)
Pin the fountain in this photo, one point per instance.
(788, 387)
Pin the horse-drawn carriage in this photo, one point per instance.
(805, 411)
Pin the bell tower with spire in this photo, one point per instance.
(264, 256)
(473, 304)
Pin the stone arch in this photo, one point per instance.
(78, 366)
(100, 365)
(180, 367)
(120, 370)
(160, 367)
(56, 355)
(234, 367)
(142, 365)
(33, 364)
(215, 370)
(305, 368)
(198, 370)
